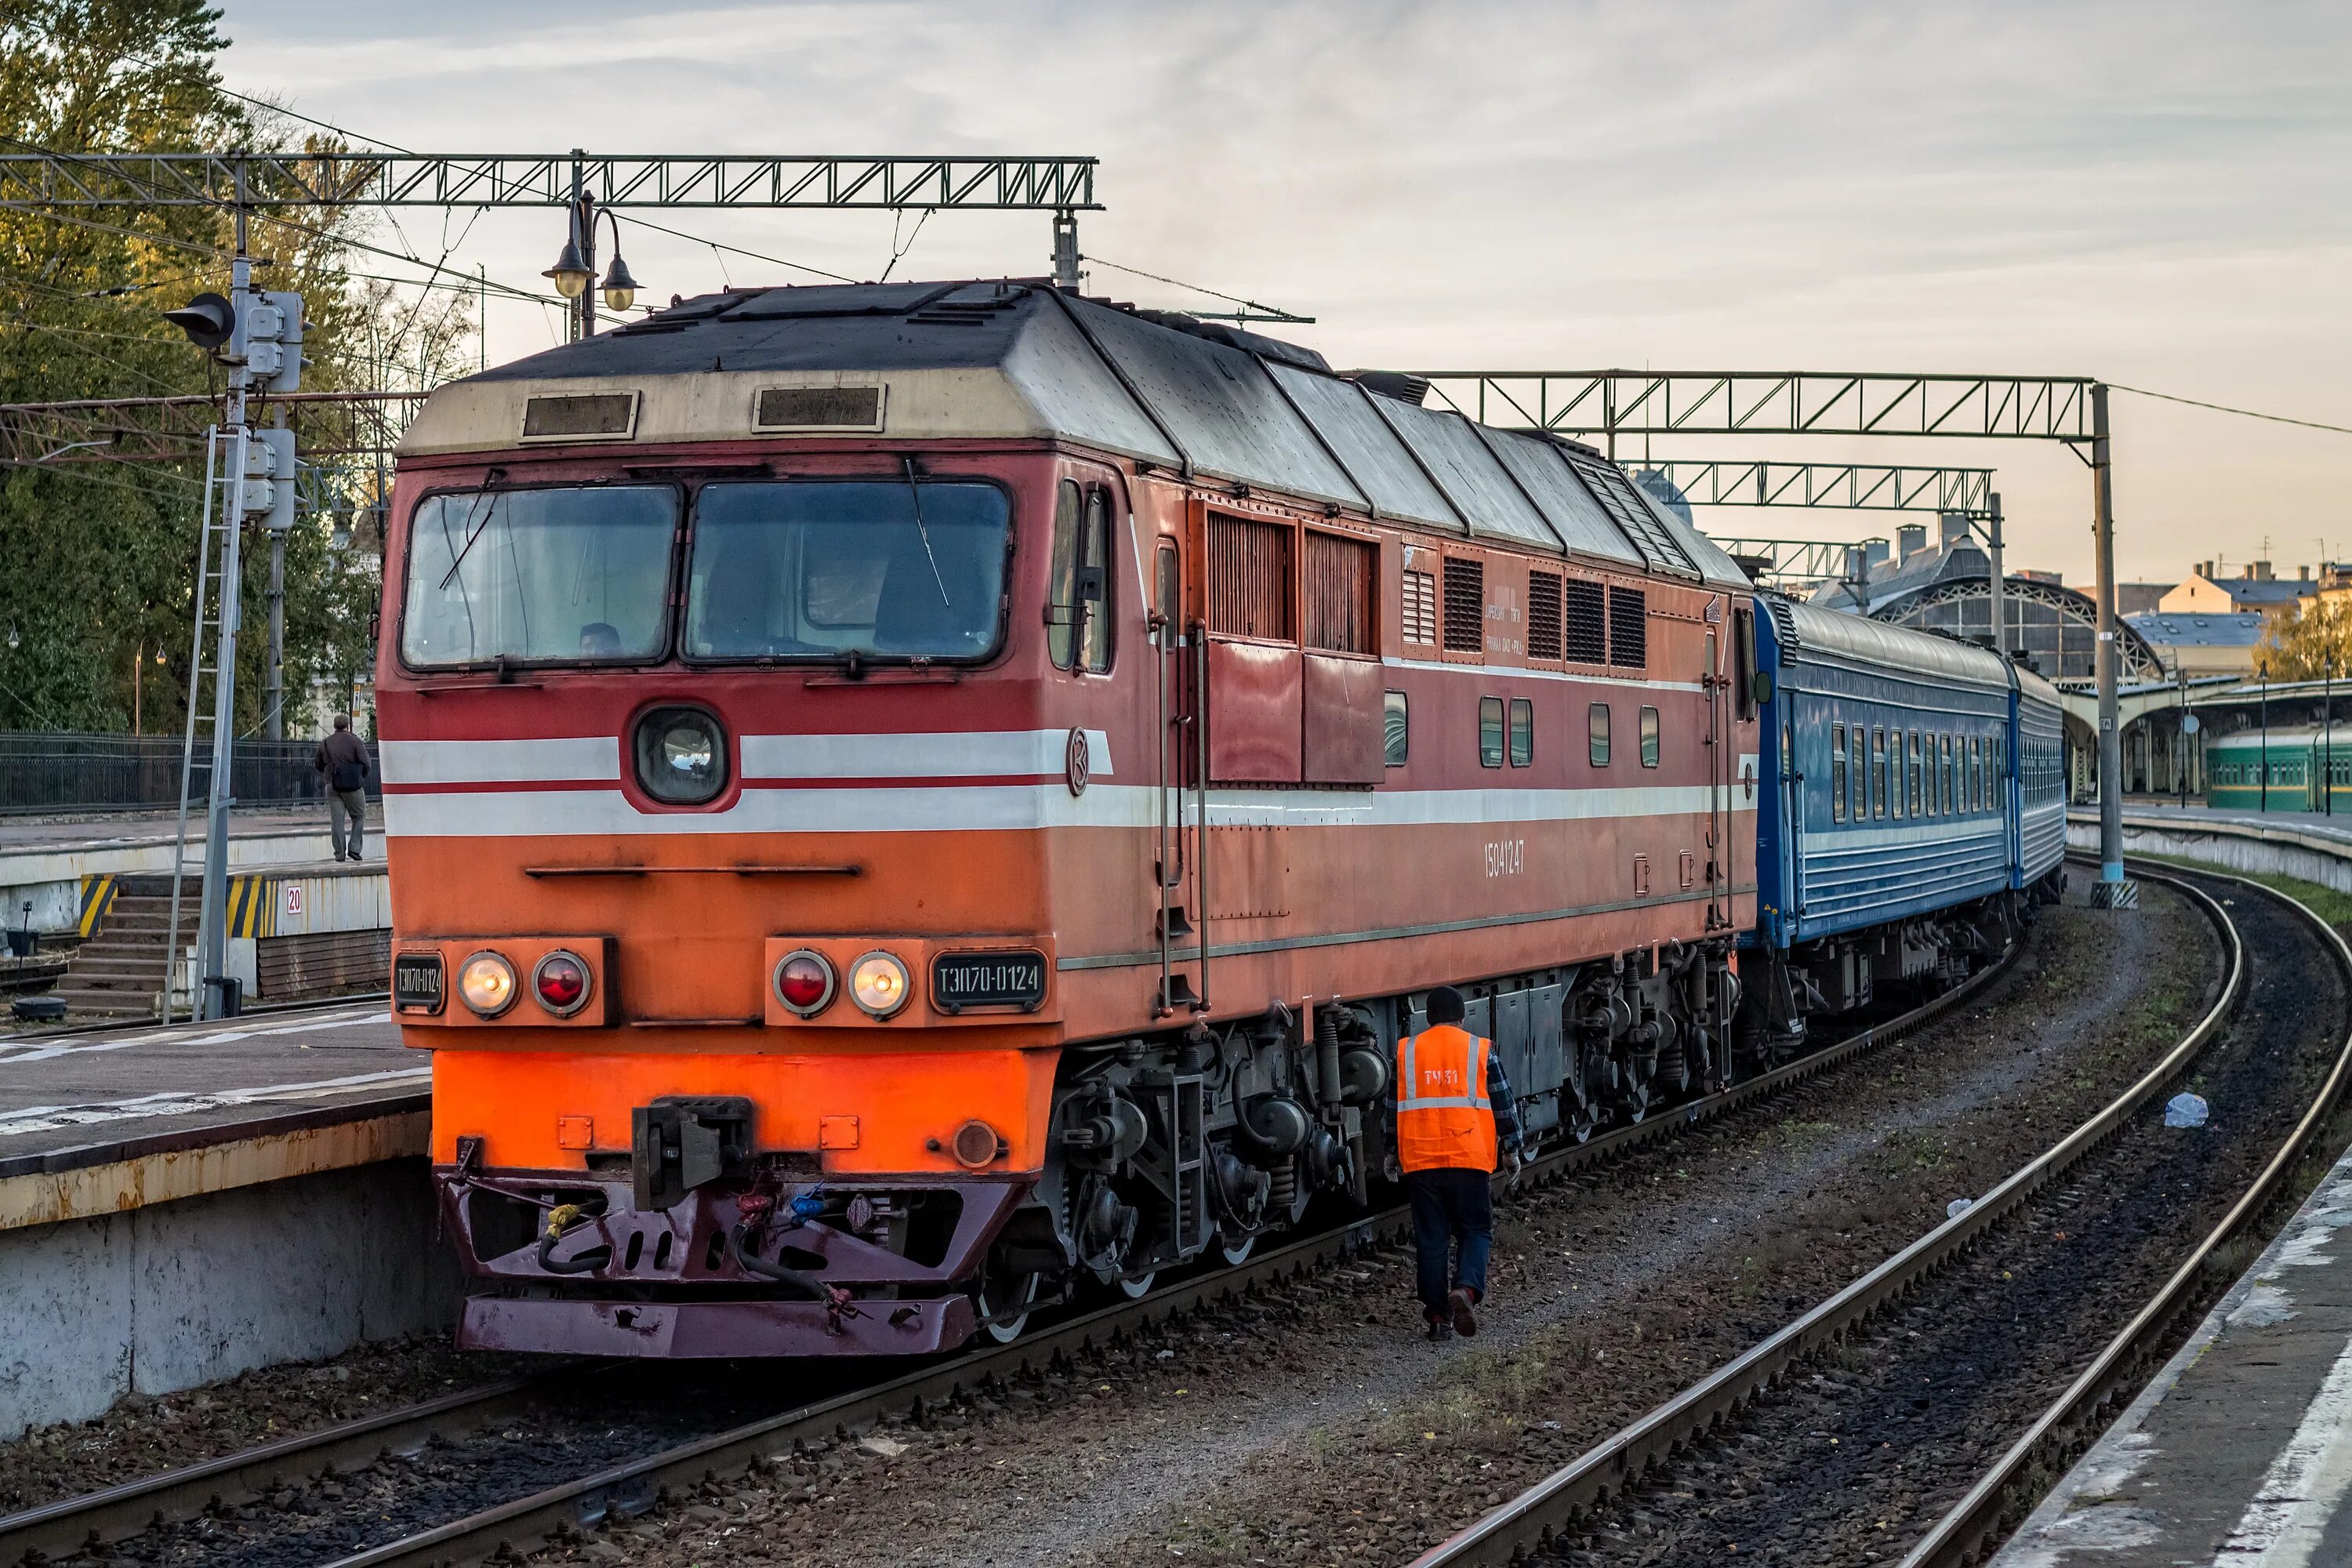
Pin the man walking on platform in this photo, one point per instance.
(1453, 1115)
(344, 758)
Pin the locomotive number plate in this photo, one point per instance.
(1012, 977)
(419, 983)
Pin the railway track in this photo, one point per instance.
(295, 1467)
(1745, 1461)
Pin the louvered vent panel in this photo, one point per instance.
(1339, 577)
(1629, 628)
(1618, 498)
(1543, 615)
(1465, 606)
(1250, 577)
(1421, 608)
(1587, 623)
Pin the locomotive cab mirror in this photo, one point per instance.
(1760, 687)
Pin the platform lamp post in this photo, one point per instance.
(574, 272)
(2327, 736)
(2264, 671)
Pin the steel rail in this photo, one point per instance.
(71, 1524)
(519, 1525)
(1525, 1523)
(2005, 1494)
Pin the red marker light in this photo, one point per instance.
(803, 982)
(561, 982)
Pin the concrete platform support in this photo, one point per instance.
(2258, 850)
(177, 1294)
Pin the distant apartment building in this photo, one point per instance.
(2259, 590)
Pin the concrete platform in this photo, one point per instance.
(2240, 1453)
(181, 1203)
(93, 1123)
(44, 859)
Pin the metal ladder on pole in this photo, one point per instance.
(213, 592)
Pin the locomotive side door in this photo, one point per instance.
(1179, 671)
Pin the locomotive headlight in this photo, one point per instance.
(487, 981)
(803, 983)
(681, 755)
(879, 983)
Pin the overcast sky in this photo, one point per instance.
(2159, 194)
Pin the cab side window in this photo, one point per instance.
(1079, 598)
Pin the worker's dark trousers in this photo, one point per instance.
(1451, 1206)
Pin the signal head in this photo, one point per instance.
(208, 320)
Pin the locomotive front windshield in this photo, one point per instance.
(572, 573)
(824, 568)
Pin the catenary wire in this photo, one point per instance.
(2225, 409)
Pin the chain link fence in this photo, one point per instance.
(64, 771)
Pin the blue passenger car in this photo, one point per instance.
(1912, 810)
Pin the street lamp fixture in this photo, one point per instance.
(620, 289)
(571, 272)
(574, 272)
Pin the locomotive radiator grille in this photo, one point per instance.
(1465, 606)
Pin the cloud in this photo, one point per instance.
(2158, 189)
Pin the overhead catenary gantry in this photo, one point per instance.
(1847, 487)
(375, 179)
(2070, 410)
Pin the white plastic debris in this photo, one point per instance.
(2186, 1111)
(1958, 1207)
(883, 1448)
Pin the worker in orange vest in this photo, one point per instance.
(1454, 1117)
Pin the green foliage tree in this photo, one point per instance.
(97, 558)
(2307, 645)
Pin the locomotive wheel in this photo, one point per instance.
(1135, 1287)
(1234, 1252)
(1006, 1297)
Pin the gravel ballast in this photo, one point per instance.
(1314, 1425)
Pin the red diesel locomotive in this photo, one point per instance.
(904, 800)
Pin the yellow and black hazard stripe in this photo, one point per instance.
(252, 906)
(97, 902)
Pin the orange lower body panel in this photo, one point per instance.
(860, 1111)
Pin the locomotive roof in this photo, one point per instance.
(1006, 359)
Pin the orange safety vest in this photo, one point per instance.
(1445, 1121)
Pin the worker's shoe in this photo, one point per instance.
(1440, 1327)
(1458, 1307)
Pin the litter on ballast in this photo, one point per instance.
(2186, 1109)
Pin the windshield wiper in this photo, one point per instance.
(916, 491)
(473, 528)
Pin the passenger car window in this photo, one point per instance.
(1396, 727)
(1597, 726)
(1878, 770)
(1858, 778)
(1837, 773)
(1649, 736)
(1523, 731)
(1490, 731)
